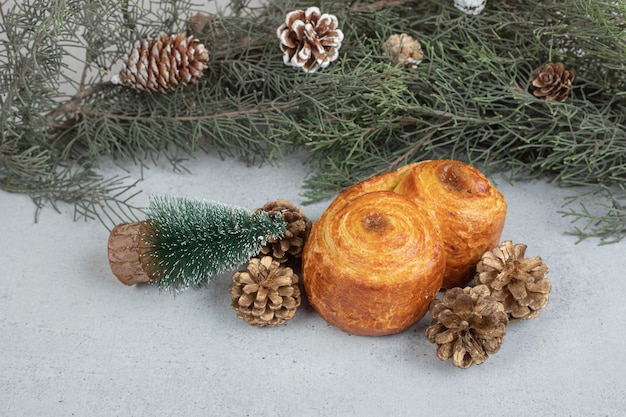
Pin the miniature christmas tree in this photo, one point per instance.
(187, 242)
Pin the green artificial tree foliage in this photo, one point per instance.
(194, 240)
(469, 99)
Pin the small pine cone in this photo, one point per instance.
(266, 294)
(519, 283)
(403, 49)
(126, 250)
(468, 325)
(163, 65)
(287, 249)
(472, 7)
(552, 82)
(309, 39)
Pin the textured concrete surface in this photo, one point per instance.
(76, 342)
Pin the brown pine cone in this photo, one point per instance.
(403, 49)
(309, 39)
(287, 249)
(163, 65)
(468, 325)
(266, 294)
(519, 283)
(126, 250)
(552, 82)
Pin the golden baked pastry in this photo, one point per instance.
(385, 246)
(469, 210)
(374, 261)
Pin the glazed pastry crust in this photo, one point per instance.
(469, 211)
(374, 261)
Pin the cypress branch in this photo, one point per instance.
(194, 240)
(362, 115)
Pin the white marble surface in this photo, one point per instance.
(75, 341)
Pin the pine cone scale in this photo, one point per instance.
(517, 289)
(474, 348)
(542, 286)
(245, 300)
(445, 351)
(251, 288)
(449, 319)
(275, 298)
(445, 337)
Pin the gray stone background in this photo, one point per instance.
(75, 341)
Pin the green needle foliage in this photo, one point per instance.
(361, 116)
(195, 240)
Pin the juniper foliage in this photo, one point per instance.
(362, 115)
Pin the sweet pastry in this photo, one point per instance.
(469, 210)
(374, 261)
(385, 246)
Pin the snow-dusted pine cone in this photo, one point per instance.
(164, 64)
(309, 39)
(470, 6)
(468, 325)
(265, 294)
(519, 283)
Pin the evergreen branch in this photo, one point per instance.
(184, 118)
(377, 5)
(69, 107)
(361, 116)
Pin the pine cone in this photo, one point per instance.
(266, 294)
(468, 325)
(164, 64)
(519, 283)
(287, 249)
(310, 39)
(404, 49)
(472, 7)
(552, 82)
(126, 250)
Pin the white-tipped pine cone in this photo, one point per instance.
(309, 39)
(164, 64)
(470, 6)
(265, 294)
